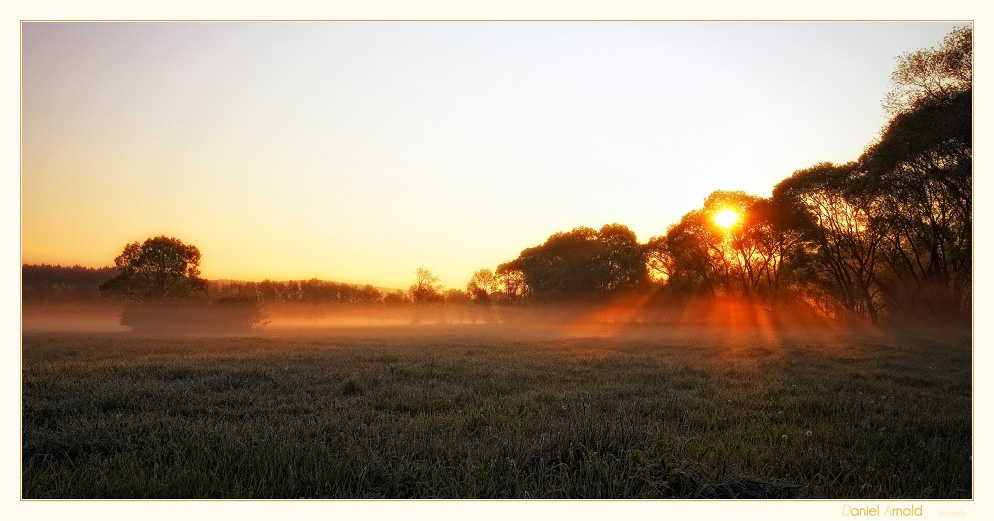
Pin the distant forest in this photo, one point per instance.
(886, 237)
(47, 283)
(51, 284)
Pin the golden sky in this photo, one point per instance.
(360, 151)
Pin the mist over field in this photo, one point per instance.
(622, 399)
(72, 317)
(288, 319)
(797, 323)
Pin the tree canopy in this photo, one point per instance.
(583, 264)
(159, 268)
(426, 289)
(932, 74)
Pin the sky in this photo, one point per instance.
(360, 151)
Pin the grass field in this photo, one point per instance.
(473, 412)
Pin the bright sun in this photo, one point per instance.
(726, 218)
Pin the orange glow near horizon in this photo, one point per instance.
(357, 152)
(726, 218)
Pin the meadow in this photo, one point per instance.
(499, 412)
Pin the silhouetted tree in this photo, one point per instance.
(159, 268)
(886, 235)
(512, 287)
(425, 293)
(746, 258)
(481, 285)
(426, 289)
(622, 258)
(934, 74)
(161, 277)
(842, 224)
(582, 264)
(921, 172)
(659, 260)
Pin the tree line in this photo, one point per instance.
(885, 237)
(52, 283)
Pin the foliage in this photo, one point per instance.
(159, 268)
(161, 279)
(482, 285)
(46, 283)
(840, 223)
(921, 175)
(311, 291)
(513, 289)
(928, 75)
(888, 236)
(582, 264)
(426, 289)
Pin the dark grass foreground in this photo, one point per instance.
(464, 414)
